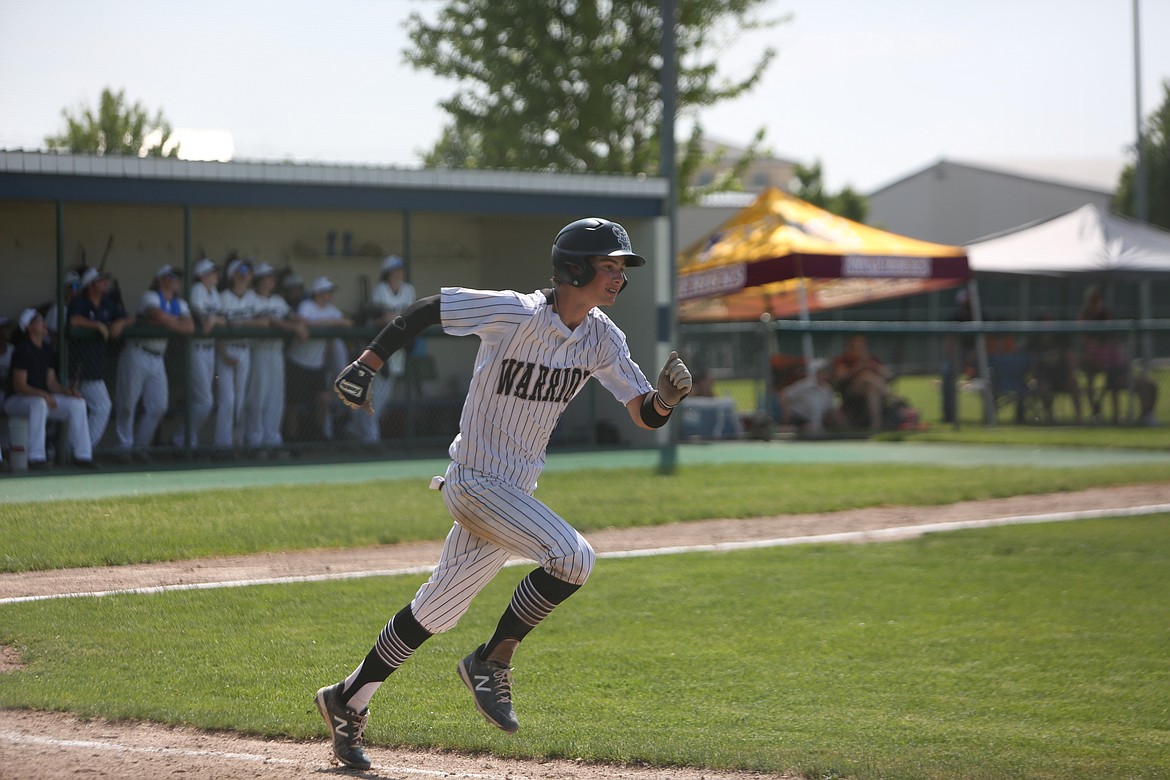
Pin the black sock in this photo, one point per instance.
(535, 597)
(398, 640)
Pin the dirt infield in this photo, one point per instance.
(38, 745)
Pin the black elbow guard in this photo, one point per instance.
(419, 316)
(650, 415)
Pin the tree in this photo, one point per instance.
(116, 128)
(1156, 162)
(573, 85)
(847, 203)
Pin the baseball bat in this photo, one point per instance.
(106, 253)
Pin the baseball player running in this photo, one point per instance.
(537, 350)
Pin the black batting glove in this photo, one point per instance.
(352, 386)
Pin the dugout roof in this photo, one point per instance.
(121, 179)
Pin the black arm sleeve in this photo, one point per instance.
(419, 316)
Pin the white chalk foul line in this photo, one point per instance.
(17, 738)
(881, 534)
(350, 575)
(900, 532)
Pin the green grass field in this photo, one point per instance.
(182, 526)
(1028, 651)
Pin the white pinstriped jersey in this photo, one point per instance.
(275, 308)
(205, 301)
(529, 366)
(153, 299)
(237, 308)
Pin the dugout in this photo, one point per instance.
(490, 229)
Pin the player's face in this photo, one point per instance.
(37, 327)
(608, 280)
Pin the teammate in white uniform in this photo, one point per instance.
(142, 372)
(307, 360)
(537, 351)
(264, 408)
(234, 358)
(389, 299)
(207, 309)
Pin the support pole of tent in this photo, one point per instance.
(989, 416)
(806, 341)
(771, 348)
(1146, 302)
(1130, 387)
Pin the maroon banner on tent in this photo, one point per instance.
(732, 278)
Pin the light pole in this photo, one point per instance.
(1140, 208)
(668, 169)
(1139, 184)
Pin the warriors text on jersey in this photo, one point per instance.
(529, 366)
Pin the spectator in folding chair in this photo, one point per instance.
(1105, 355)
(810, 403)
(1054, 367)
(863, 382)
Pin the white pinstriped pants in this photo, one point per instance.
(494, 521)
(231, 383)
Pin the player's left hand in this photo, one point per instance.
(674, 381)
(352, 386)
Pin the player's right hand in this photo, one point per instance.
(352, 386)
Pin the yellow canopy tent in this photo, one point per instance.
(783, 256)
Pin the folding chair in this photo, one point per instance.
(1011, 382)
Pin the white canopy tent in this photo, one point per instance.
(1085, 240)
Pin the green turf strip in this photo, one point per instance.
(182, 526)
(1025, 651)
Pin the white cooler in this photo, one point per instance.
(18, 442)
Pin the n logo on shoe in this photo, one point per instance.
(340, 727)
(481, 681)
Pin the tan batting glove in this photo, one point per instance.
(674, 381)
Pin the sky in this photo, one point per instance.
(873, 91)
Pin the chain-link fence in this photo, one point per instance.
(888, 375)
(254, 395)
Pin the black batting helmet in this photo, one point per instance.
(590, 237)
